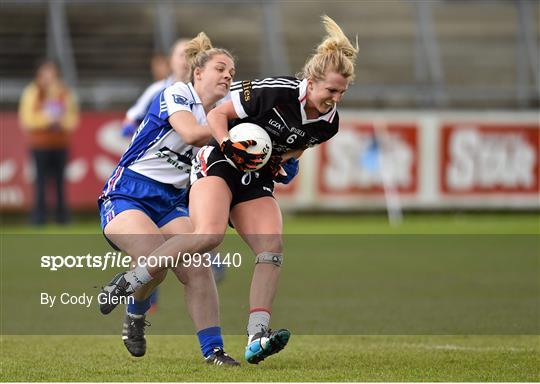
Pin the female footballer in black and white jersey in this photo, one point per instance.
(278, 105)
(297, 114)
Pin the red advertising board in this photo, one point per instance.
(472, 159)
(96, 147)
(483, 158)
(362, 159)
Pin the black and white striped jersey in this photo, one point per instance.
(277, 105)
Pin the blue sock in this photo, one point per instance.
(154, 296)
(209, 339)
(139, 307)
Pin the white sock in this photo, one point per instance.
(138, 277)
(258, 320)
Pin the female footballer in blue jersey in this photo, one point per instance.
(297, 114)
(144, 201)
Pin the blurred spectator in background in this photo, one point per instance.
(48, 113)
(159, 65)
(180, 72)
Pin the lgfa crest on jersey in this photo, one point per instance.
(179, 99)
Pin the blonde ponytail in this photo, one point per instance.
(335, 53)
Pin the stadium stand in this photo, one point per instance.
(452, 54)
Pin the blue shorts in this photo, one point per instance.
(127, 189)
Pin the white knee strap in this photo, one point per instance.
(270, 258)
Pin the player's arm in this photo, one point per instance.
(293, 154)
(285, 168)
(218, 120)
(235, 151)
(185, 124)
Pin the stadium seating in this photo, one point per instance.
(476, 40)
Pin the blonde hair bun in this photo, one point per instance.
(199, 51)
(198, 44)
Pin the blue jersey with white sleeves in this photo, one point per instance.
(157, 151)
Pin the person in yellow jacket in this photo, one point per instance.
(48, 114)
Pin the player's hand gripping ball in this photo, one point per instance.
(249, 147)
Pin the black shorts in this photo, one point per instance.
(244, 186)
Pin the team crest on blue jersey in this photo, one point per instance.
(179, 99)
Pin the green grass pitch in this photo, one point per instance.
(374, 357)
